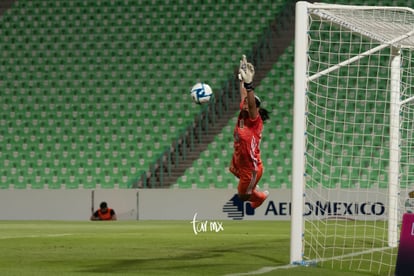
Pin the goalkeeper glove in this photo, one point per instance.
(246, 72)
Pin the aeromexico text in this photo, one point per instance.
(328, 208)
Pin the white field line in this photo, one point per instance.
(262, 270)
(267, 269)
(35, 236)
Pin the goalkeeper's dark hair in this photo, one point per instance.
(264, 113)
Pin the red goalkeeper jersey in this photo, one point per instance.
(247, 136)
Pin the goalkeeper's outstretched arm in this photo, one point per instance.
(246, 74)
(243, 92)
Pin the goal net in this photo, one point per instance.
(353, 134)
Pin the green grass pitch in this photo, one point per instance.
(148, 248)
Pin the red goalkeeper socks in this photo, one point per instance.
(257, 198)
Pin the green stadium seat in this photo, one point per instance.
(4, 180)
(186, 181)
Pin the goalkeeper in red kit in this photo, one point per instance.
(246, 163)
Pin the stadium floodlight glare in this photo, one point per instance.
(353, 145)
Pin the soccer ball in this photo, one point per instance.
(201, 93)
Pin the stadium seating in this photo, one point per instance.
(99, 88)
(91, 92)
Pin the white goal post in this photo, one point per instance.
(353, 145)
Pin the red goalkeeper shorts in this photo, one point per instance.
(248, 180)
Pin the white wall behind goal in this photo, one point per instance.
(178, 204)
